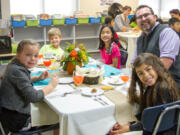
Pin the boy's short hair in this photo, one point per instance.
(172, 21)
(54, 31)
(174, 11)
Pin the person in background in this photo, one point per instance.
(174, 23)
(109, 20)
(159, 20)
(17, 91)
(158, 39)
(109, 50)
(122, 21)
(156, 87)
(115, 9)
(175, 13)
(133, 23)
(55, 37)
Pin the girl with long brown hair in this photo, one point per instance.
(156, 87)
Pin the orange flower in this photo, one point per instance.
(73, 53)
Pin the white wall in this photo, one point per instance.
(5, 9)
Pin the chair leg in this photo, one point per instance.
(2, 130)
(178, 126)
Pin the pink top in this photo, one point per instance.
(113, 53)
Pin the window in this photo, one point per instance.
(64, 7)
(35, 7)
(26, 7)
(161, 7)
(168, 5)
(154, 4)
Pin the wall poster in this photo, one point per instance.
(106, 2)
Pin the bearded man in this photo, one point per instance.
(158, 39)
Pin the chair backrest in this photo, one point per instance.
(5, 44)
(151, 114)
(124, 56)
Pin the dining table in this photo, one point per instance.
(131, 38)
(84, 114)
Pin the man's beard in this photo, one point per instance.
(146, 27)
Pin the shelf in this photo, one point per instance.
(93, 51)
(37, 40)
(88, 37)
(87, 34)
(71, 38)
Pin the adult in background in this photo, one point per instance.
(175, 13)
(115, 9)
(121, 21)
(158, 39)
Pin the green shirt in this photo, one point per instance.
(57, 52)
(133, 24)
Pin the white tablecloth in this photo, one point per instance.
(77, 114)
(80, 115)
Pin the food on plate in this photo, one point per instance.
(107, 87)
(93, 90)
(41, 64)
(116, 80)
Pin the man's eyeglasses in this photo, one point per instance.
(145, 15)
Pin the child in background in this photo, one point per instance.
(109, 20)
(174, 23)
(156, 87)
(133, 23)
(54, 35)
(175, 13)
(17, 90)
(109, 50)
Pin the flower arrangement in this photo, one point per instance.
(74, 55)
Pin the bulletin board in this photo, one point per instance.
(106, 2)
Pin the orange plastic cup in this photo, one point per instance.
(124, 29)
(40, 56)
(78, 79)
(125, 78)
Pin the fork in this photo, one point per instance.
(65, 93)
(99, 98)
(96, 99)
(74, 87)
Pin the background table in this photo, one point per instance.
(131, 44)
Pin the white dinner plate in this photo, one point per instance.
(36, 69)
(66, 80)
(86, 91)
(116, 81)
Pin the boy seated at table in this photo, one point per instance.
(53, 49)
(174, 23)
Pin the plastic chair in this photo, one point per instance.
(33, 130)
(161, 118)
